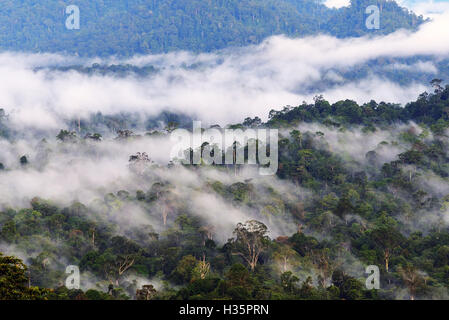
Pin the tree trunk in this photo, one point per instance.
(387, 259)
(164, 217)
(252, 265)
(285, 264)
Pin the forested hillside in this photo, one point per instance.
(126, 28)
(357, 185)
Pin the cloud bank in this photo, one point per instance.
(220, 87)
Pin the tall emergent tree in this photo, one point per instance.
(250, 241)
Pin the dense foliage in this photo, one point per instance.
(358, 210)
(429, 109)
(110, 27)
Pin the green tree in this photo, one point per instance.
(14, 282)
(250, 240)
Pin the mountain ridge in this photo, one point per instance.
(150, 27)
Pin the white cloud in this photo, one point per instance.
(420, 66)
(427, 8)
(337, 3)
(226, 87)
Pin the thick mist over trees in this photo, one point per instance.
(357, 185)
(90, 182)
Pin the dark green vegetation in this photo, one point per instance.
(152, 26)
(374, 211)
(429, 109)
(14, 284)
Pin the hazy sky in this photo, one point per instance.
(425, 7)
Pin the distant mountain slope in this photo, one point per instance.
(153, 26)
(350, 21)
